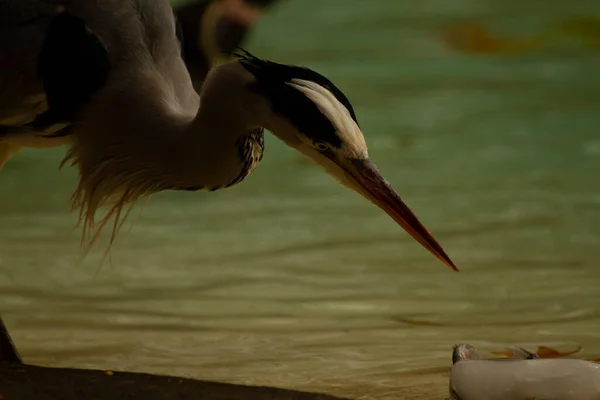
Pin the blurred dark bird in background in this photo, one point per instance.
(211, 30)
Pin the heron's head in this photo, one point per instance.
(310, 114)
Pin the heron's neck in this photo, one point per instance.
(142, 137)
(217, 146)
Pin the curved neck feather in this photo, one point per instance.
(165, 144)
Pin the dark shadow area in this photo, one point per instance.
(8, 351)
(21, 381)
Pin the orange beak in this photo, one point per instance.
(365, 178)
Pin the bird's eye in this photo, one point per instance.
(321, 146)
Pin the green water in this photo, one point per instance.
(289, 279)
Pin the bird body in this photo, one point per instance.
(89, 65)
(57, 55)
(108, 79)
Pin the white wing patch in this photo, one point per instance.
(353, 141)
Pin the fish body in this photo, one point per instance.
(525, 377)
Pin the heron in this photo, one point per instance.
(107, 79)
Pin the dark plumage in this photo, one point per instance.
(73, 65)
(272, 79)
(250, 150)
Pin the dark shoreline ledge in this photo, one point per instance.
(28, 382)
(19, 381)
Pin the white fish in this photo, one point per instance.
(524, 378)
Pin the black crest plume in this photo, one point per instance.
(272, 81)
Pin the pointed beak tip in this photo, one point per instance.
(376, 189)
(447, 261)
(453, 267)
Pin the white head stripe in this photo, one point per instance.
(347, 129)
(329, 105)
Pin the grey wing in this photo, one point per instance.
(23, 24)
(49, 73)
(22, 96)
